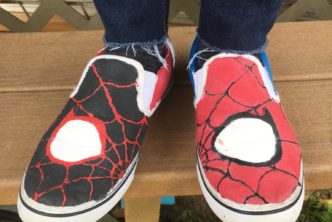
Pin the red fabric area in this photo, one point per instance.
(234, 85)
(164, 75)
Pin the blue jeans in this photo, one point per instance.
(229, 25)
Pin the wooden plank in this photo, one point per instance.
(308, 105)
(301, 51)
(56, 60)
(142, 209)
(167, 160)
(44, 60)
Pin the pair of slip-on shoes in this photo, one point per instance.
(249, 162)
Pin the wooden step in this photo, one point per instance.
(39, 70)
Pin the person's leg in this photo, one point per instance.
(86, 160)
(136, 29)
(249, 161)
(237, 25)
(133, 21)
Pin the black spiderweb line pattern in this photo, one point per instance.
(111, 98)
(224, 172)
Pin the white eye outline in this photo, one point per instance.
(267, 118)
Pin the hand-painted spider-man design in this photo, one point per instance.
(93, 145)
(255, 169)
(121, 131)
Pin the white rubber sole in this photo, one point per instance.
(55, 214)
(231, 214)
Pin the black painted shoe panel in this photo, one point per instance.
(86, 160)
(105, 103)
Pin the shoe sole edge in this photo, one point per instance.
(30, 214)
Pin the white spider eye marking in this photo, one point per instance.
(247, 139)
(76, 140)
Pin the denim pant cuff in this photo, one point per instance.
(127, 44)
(208, 46)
